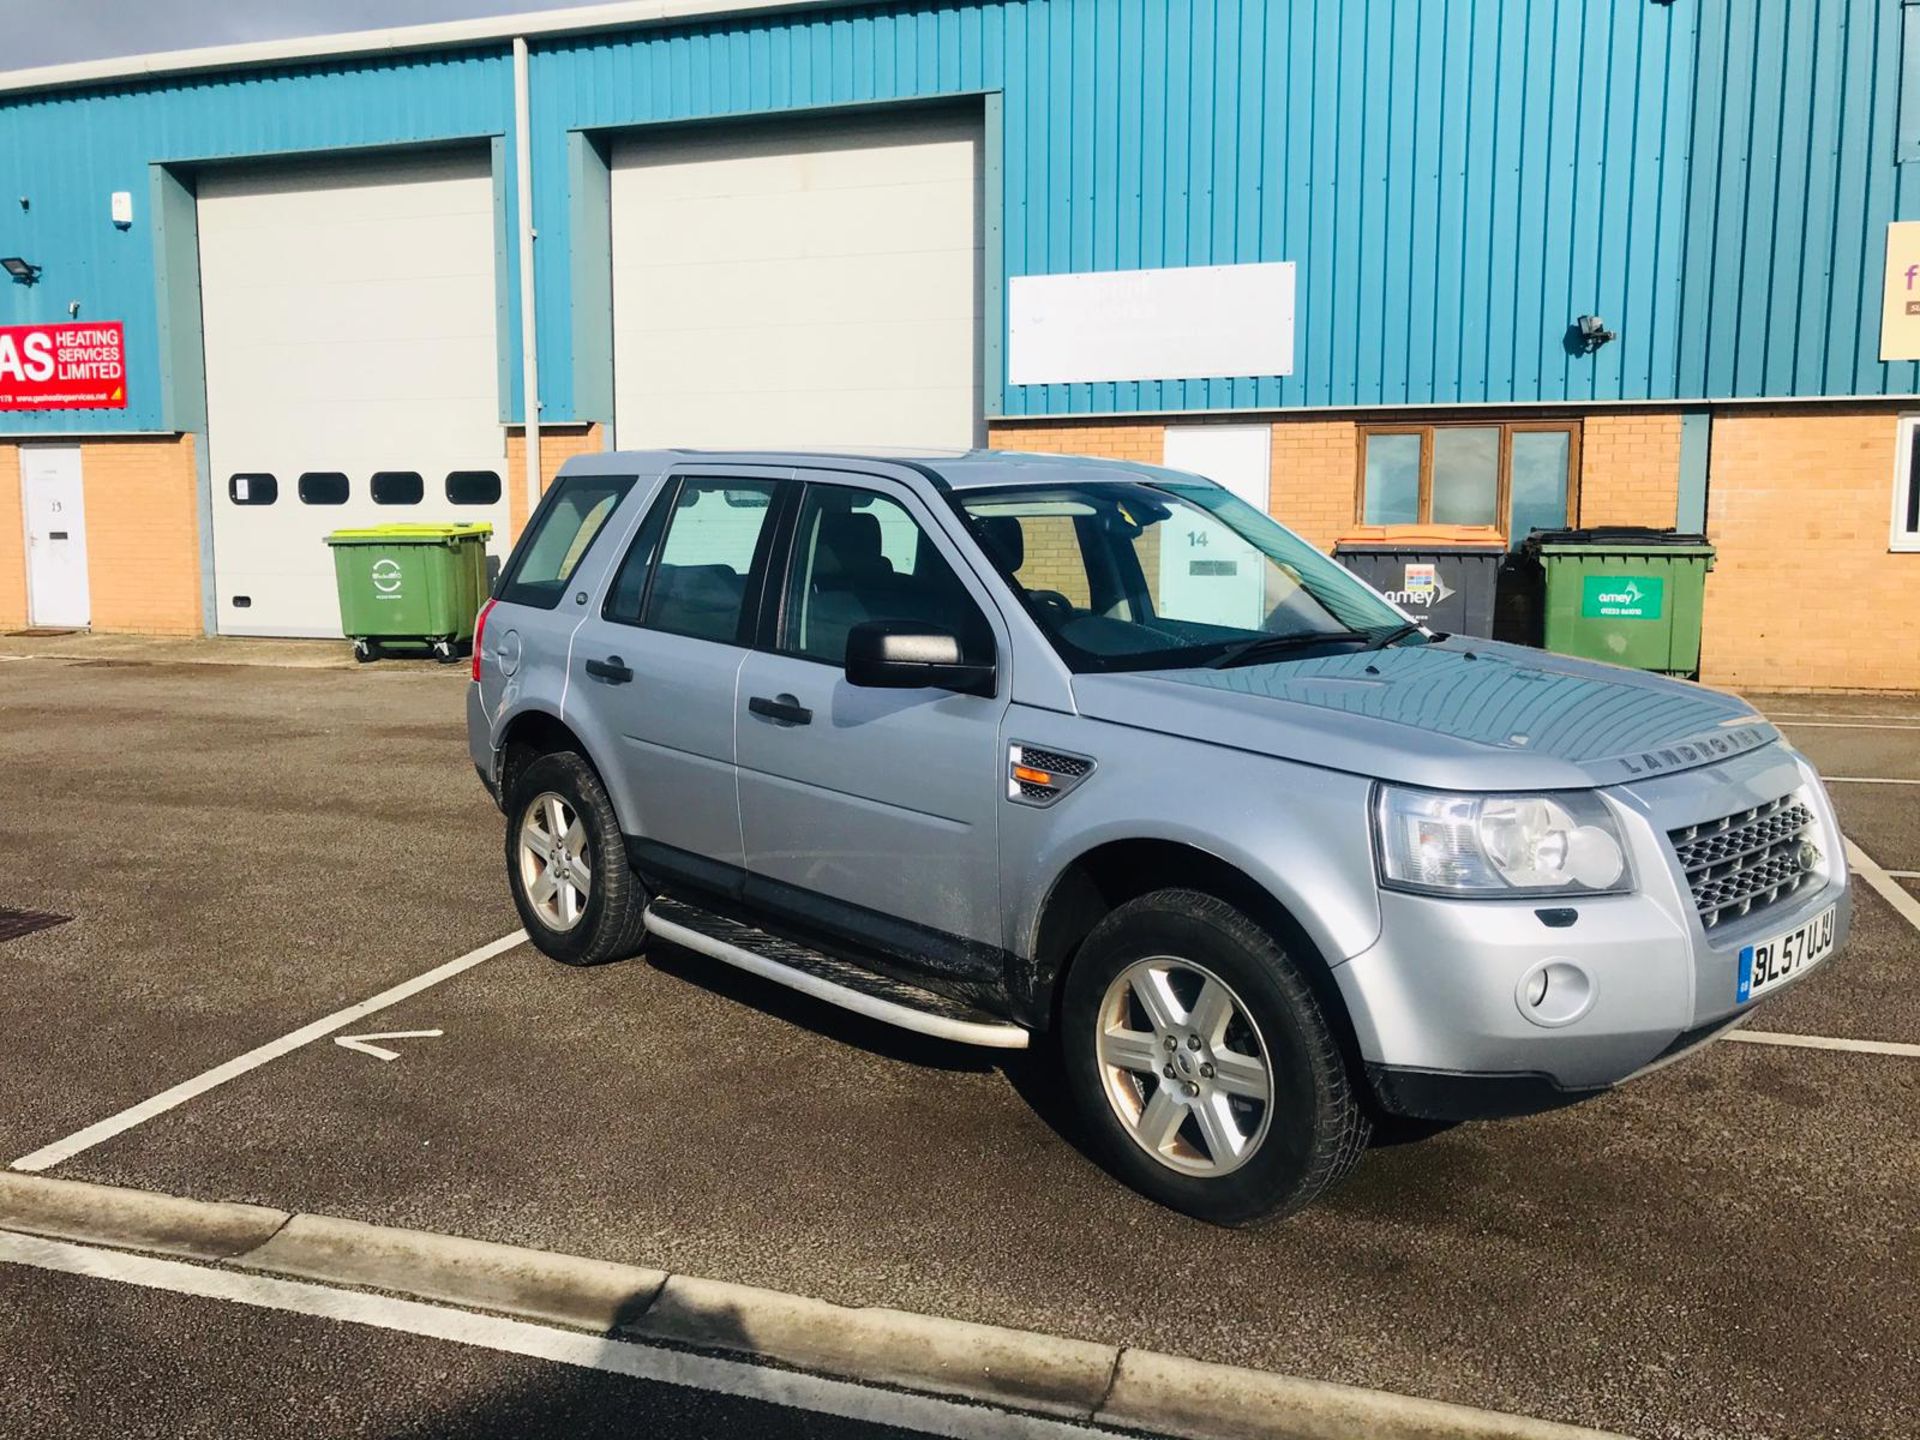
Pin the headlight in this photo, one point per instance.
(1444, 844)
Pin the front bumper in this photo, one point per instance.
(1437, 1005)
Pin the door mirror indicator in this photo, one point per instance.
(908, 655)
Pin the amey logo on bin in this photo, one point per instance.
(1420, 585)
(1629, 595)
(386, 577)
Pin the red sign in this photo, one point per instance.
(63, 367)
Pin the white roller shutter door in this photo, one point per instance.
(811, 284)
(349, 326)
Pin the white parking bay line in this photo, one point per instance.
(1889, 889)
(924, 1414)
(1837, 715)
(1864, 780)
(50, 1155)
(1823, 1042)
(1784, 723)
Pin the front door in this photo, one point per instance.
(872, 814)
(56, 536)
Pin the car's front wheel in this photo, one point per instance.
(567, 864)
(1202, 1064)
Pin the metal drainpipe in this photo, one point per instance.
(529, 343)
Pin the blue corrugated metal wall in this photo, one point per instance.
(1794, 183)
(1456, 179)
(69, 151)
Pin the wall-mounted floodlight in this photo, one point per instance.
(22, 272)
(1593, 332)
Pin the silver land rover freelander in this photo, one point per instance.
(1017, 750)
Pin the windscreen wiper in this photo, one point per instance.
(1248, 651)
(1394, 636)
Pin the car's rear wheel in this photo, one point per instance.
(567, 865)
(1202, 1063)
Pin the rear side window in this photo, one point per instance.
(397, 487)
(557, 540)
(699, 587)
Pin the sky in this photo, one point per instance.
(53, 32)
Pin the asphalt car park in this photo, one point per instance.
(1725, 1247)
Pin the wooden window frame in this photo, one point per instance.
(1503, 493)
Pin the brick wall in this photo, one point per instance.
(1141, 440)
(1630, 468)
(558, 444)
(1316, 477)
(143, 546)
(1805, 593)
(1799, 498)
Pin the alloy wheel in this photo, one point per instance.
(1184, 1066)
(555, 869)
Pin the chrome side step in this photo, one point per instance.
(828, 979)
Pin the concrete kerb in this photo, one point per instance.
(1017, 1369)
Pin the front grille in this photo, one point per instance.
(1750, 860)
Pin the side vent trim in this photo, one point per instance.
(1040, 776)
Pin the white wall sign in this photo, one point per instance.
(1183, 324)
(1900, 295)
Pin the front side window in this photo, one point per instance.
(1168, 576)
(859, 556)
(559, 536)
(1516, 477)
(698, 587)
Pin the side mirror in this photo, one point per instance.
(907, 655)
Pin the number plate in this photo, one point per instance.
(1774, 961)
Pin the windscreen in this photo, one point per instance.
(1157, 576)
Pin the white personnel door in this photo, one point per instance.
(349, 315)
(814, 285)
(56, 509)
(1207, 572)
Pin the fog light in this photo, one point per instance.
(1554, 993)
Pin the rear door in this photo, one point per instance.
(656, 663)
(871, 814)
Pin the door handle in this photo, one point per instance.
(613, 670)
(782, 710)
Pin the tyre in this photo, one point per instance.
(567, 864)
(1202, 1065)
(445, 652)
(365, 651)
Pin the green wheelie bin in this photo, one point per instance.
(1626, 595)
(410, 585)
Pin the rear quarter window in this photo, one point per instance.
(563, 530)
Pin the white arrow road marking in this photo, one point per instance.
(48, 1156)
(380, 1052)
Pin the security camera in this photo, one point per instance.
(1593, 332)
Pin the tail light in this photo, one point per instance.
(480, 633)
